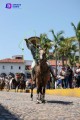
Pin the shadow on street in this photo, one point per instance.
(60, 102)
(6, 114)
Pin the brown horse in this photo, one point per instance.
(42, 72)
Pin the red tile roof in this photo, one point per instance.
(53, 62)
(9, 60)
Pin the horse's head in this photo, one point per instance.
(42, 54)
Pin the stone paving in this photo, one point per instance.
(18, 106)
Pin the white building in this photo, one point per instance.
(14, 65)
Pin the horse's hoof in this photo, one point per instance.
(38, 102)
(32, 99)
(43, 101)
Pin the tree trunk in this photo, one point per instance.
(66, 61)
(56, 61)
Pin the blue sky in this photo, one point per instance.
(34, 16)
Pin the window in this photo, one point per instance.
(3, 67)
(11, 67)
(19, 67)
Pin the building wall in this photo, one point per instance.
(7, 68)
(28, 62)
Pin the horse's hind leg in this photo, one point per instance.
(43, 94)
(32, 92)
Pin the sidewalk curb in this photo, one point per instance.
(59, 92)
(64, 92)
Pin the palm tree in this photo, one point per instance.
(45, 43)
(62, 50)
(56, 42)
(67, 49)
(77, 33)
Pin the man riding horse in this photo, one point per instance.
(34, 46)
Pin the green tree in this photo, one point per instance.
(45, 43)
(67, 49)
(77, 33)
(55, 42)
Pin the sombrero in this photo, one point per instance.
(33, 40)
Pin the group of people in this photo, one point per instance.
(67, 78)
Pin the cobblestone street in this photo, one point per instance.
(18, 106)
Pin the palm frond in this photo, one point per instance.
(60, 33)
(72, 38)
(78, 26)
(75, 29)
(53, 34)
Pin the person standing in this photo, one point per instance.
(78, 76)
(62, 74)
(69, 77)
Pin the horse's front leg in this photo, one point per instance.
(17, 87)
(8, 87)
(39, 94)
(38, 100)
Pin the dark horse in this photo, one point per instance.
(17, 83)
(42, 72)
